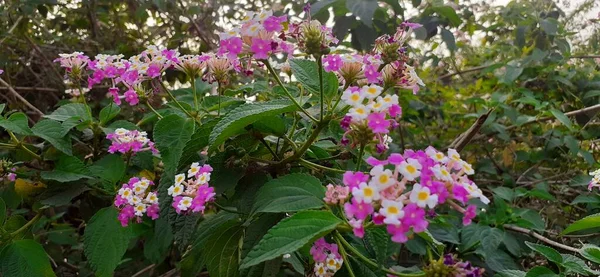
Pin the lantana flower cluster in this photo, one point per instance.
(372, 115)
(192, 192)
(7, 171)
(595, 182)
(135, 199)
(450, 265)
(327, 258)
(402, 189)
(130, 141)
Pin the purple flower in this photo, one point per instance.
(260, 48)
(332, 63)
(377, 123)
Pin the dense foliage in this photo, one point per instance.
(336, 138)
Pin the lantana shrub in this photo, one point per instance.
(246, 173)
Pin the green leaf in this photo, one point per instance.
(158, 244)
(588, 251)
(471, 235)
(449, 39)
(511, 73)
(67, 111)
(109, 112)
(198, 141)
(110, 169)
(211, 103)
(548, 252)
(378, 238)
(549, 25)
(499, 260)
(245, 115)
(192, 263)
(562, 118)
(62, 194)
(25, 258)
(576, 265)
(588, 222)
(67, 169)
(290, 235)
(290, 193)
(52, 131)
(16, 123)
(2, 106)
(2, 212)
(505, 193)
(363, 9)
(105, 241)
(510, 273)
(540, 271)
(222, 252)
(306, 72)
(448, 13)
(171, 134)
(491, 238)
(225, 175)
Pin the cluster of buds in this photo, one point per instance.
(134, 199)
(327, 258)
(191, 194)
(126, 141)
(312, 37)
(399, 190)
(371, 116)
(257, 36)
(7, 171)
(354, 68)
(449, 265)
(74, 63)
(595, 182)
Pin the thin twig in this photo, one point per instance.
(12, 29)
(541, 238)
(17, 95)
(463, 139)
(144, 270)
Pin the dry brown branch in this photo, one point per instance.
(17, 95)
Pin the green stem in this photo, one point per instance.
(320, 64)
(332, 111)
(177, 102)
(307, 144)
(370, 262)
(219, 93)
(345, 257)
(360, 157)
(153, 110)
(194, 92)
(285, 90)
(27, 225)
(226, 209)
(262, 140)
(318, 166)
(20, 145)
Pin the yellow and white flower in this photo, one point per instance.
(422, 196)
(410, 169)
(366, 193)
(392, 211)
(372, 91)
(382, 178)
(175, 190)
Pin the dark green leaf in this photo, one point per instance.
(105, 241)
(363, 9)
(562, 118)
(549, 25)
(548, 252)
(109, 112)
(540, 271)
(52, 131)
(588, 222)
(16, 123)
(25, 258)
(67, 169)
(245, 115)
(290, 234)
(290, 193)
(67, 111)
(110, 169)
(448, 13)
(588, 251)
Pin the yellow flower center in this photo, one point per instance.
(368, 192)
(360, 111)
(439, 155)
(411, 169)
(383, 178)
(422, 195)
(331, 262)
(392, 210)
(372, 90)
(355, 97)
